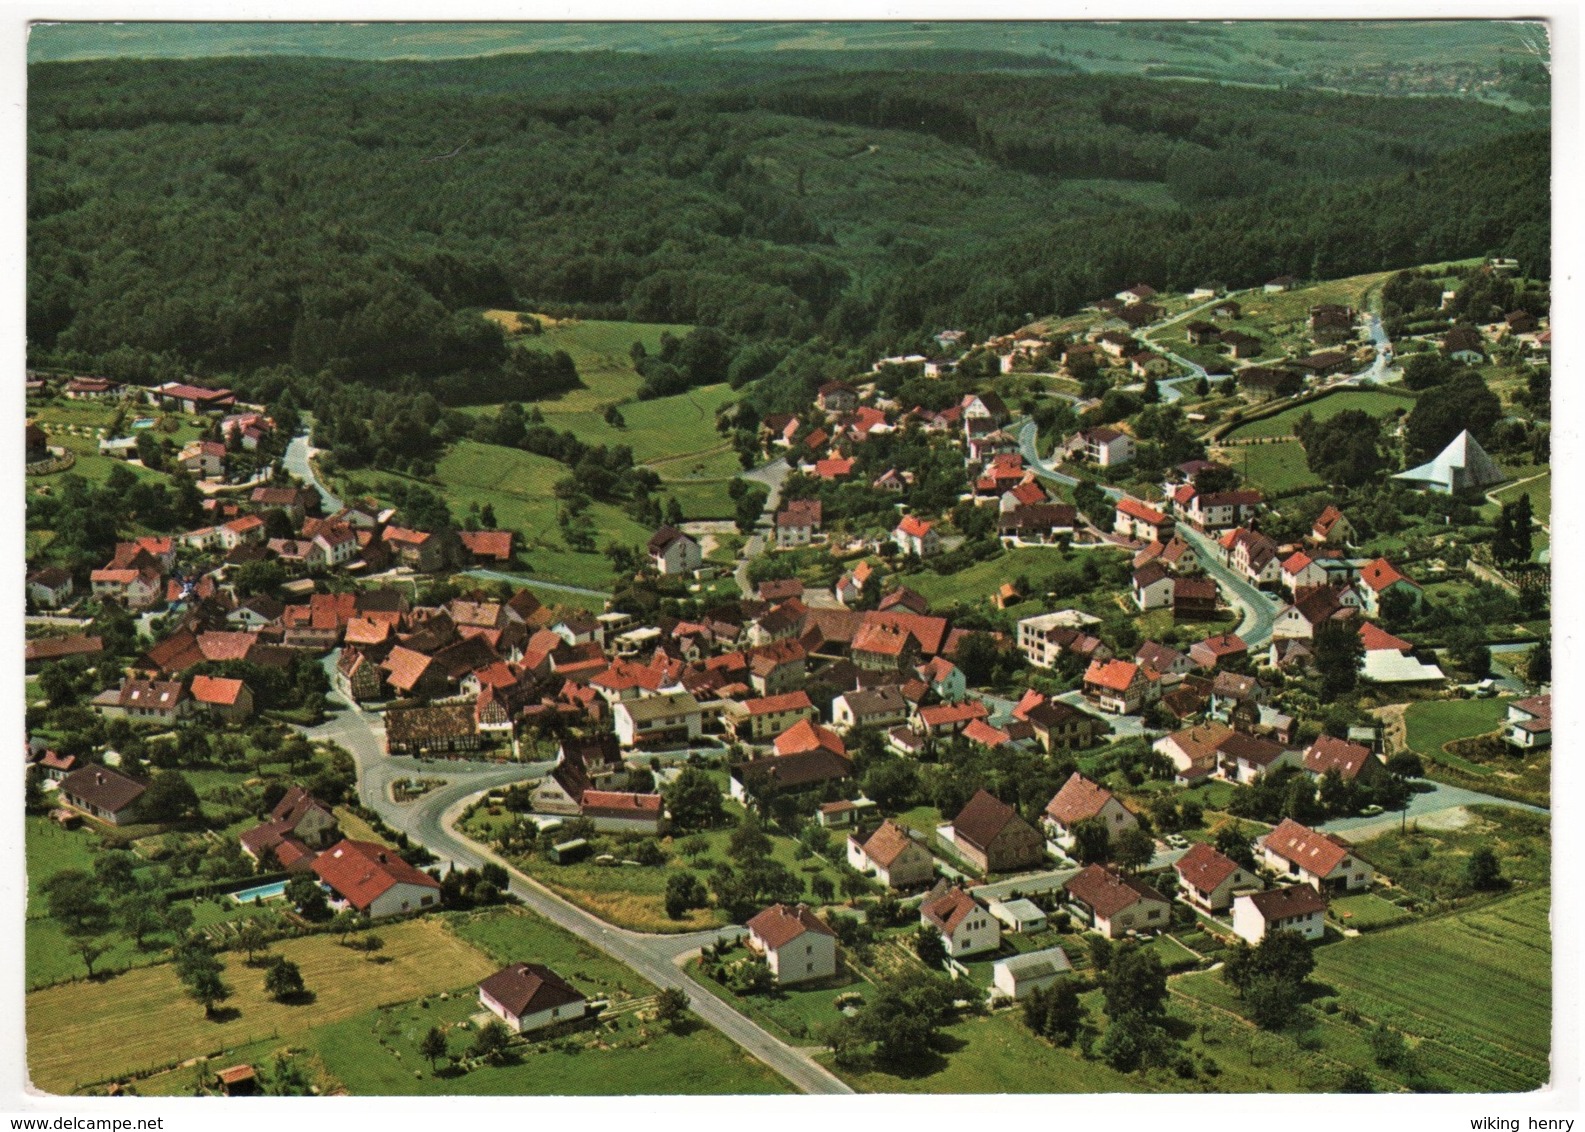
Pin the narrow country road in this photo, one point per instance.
(536, 583)
(298, 464)
(429, 821)
(1438, 799)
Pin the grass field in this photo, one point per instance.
(1372, 401)
(635, 896)
(519, 486)
(1365, 910)
(1428, 863)
(1431, 723)
(1473, 988)
(1274, 468)
(141, 1020)
(1538, 489)
(600, 350)
(797, 1015)
(975, 584)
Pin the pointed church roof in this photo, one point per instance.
(1463, 464)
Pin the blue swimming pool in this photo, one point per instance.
(144, 422)
(260, 892)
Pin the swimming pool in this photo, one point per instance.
(260, 892)
(144, 422)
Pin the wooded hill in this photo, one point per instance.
(221, 216)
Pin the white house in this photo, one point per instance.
(1019, 976)
(1529, 724)
(374, 880)
(1107, 447)
(916, 536)
(797, 945)
(528, 997)
(1080, 799)
(798, 523)
(655, 719)
(1116, 902)
(878, 707)
(1321, 860)
(1297, 908)
(673, 552)
(891, 856)
(1207, 879)
(965, 924)
(1154, 586)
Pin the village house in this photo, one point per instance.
(1208, 880)
(966, 926)
(1377, 579)
(1137, 520)
(1081, 799)
(937, 720)
(1119, 686)
(1104, 446)
(50, 587)
(1298, 908)
(797, 523)
(1351, 761)
(1218, 649)
(299, 826)
(757, 719)
(991, 836)
(145, 701)
(1248, 758)
(1322, 860)
(374, 880)
(203, 459)
(917, 536)
(1153, 586)
(1114, 903)
(1059, 726)
(797, 945)
(1044, 638)
(435, 729)
(38, 651)
(1529, 723)
(875, 707)
(104, 793)
(1193, 749)
(227, 700)
(528, 997)
(890, 855)
(419, 551)
(135, 589)
(674, 717)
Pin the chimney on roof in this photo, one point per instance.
(99, 777)
(382, 856)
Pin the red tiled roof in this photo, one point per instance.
(1114, 675)
(831, 469)
(1134, 509)
(1381, 574)
(780, 924)
(949, 909)
(913, 527)
(978, 731)
(1329, 753)
(1204, 868)
(488, 544)
(806, 735)
(619, 804)
(941, 715)
(1078, 800)
(1319, 853)
(887, 843)
(1108, 891)
(217, 690)
(361, 871)
(404, 668)
(1374, 638)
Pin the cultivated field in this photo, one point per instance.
(1274, 468)
(81, 1033)
(1475, 989)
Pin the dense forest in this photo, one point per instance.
(303, 217)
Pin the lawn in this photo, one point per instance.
(1274, 468)
(797, 1015)
(601, 350)
(975, 584)
(141, 1019)
(1539, 490)
(520, 487)
(1372, 401)
(1365, 910)
(1474, 988)
(1432, 723)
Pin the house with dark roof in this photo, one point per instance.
(877, 707)
(1352, 761)
(1297, 908)
(1529, 723)
(298, 827)
(1322, 860)
(1081, 799)
(145, 701)
(530, 996)
(797, 945)
(103, 793)
(990, 835)
(433, 729)
(819, 771)
(671, 552)
(1208, 879)
(966, 926)
(891, 855)
(374, 880)
(1115, 903)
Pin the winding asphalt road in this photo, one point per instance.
(429, 820)
(298, 464)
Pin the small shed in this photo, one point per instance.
(1019, 976)
(567, 852)
(1019, 915)
(238, 1081)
